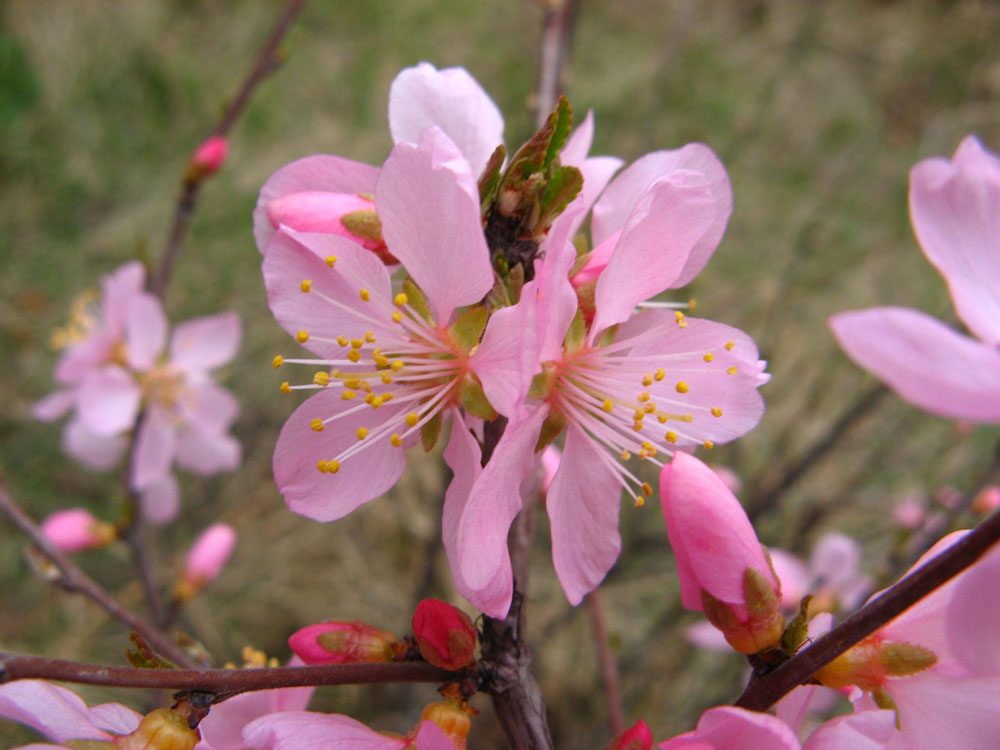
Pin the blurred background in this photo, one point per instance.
(818, 111)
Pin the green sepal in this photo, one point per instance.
(884, 700)
(563, 185)
(717, 612)
(489, 182)
(542, 383)
(798, 629)
(88, 744)
(417, 300)
(561, 119)
(906, 659)
(576, 336)
(430, 431)
(143, 657)
(607, 336)
(363, 223)
(472, 398)
(581, 244)
(552, 427)
(466, 331)
(514, 283)
(760, 596)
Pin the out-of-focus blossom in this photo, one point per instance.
(729, 728)
(723, 569)
(445, 635)
(297, 730)
(207, 159)
(910, 512)
(205, 560)
(76, 529)
(953, 206)
(987, 500)
(637, 737)
(342, 642)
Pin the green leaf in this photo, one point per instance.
(489, 182)
(798, 629)
(430, 432)
(562, 187)
(560, 130)
(143, 657)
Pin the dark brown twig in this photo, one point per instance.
(557, 32)
(609, 669)
(765, 690)
(72, 578)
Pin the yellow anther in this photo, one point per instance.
(316, 425)
(322, 378)
(375, 352)
(357, 343)
(708, 445)
(354, 355)
(400, 299)
(302, 336)
(692, 304)
(679, 316)
(709, 357)
(670, 437)
(682, 387)
(333, 466)
(363, 385)
(607, 405)
(362, 433)
(386, 378)
(369, 398)
(387, 397)
(412, 418)
(643, 397)
(370, 337)
(662, 418)
(638, 414)
(322, 466)
(647, 380)
(352, 382)
(331, 260)
(648, 446)
(649, 408)
(365, 294)
(716, 411)
(397, 365)
(639, 501)
(732, 370)
(397, 316)
(395, 440)
(687, 418)
(381, 361)
(625, 456)
(637, 426)
(646, 488)
(342, 340)
(278, 361)
(348, 395)
(376, 402)
(730, 345)
(643, 454)
(286, 388)
(306, 285)
(659, 374)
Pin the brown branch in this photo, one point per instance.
(74, 579)
(557, 33)
(765, 690)
(265, 64)
(226, 682)
(609, 669)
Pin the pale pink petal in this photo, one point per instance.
(99, 452)
(210, 552)
(293, 258)
(835, 560)
(973, 614)
(428, 202)
(556, 301)
(206, 452)
(155, 446)
(314, 173)
(494, 500)
(463, 456)
(363, 477)
(53, 406)
(583, 503)
(619, 198)
(73, 530)
(161, 500)
(78, 362)
(869, 730)
(792, 573)
(115, 718)
(305, 730)
(924, 361)
(108, 401)
(451, 99)
(432, 737)
(208, 406)
(710, 533)
(668, 221)
(145, 331)
(937, 711)
(205, 343)
(52, 710)
(730, 728)
(704, 634)
(119, 288)
(955, 217)
(507, 357)
(798, 704)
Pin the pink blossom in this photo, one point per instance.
(637, 737)
(953, 206)
(208, 158)
(77, 529)
(445, 635)
(729, 728)
(206, 558)
(302, 730)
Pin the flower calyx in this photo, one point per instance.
(868, 663)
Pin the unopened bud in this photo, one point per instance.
(987, 500)
(752, 627)
(77, 529)
(453, 716)
(207, 158)
(445, 635)
(338, 642)
(869, 662)
(161, 729)
(637, 738)
(206, 559)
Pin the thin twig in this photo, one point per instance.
(765, 690)
(74, 579)
(609, 669)
(226, 682)
(557, 33)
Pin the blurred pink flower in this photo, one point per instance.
(953, 205)
(77, 529)
(729, 728)
(205, 559)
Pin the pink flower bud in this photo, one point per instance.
(987, 499)
(77, 529)
(206, 559)
(637, 738)
(445, 635)
(338, 642)
(723, 569)
(207, 158)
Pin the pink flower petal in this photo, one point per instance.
(669, 220)
(108, 401)
(206, 452)
(145, 331)
(619, 198)
(835, 559)
(305, 730)
(120, 287)
(924, 361)
(115, 718)
(972, 615)
(432, 737)
(314, 173)
(451, 99)
(99, 452)
(794, 577)
(954, 209)
(161, 500)
(208, 406)
(938, 711)
(78, 362)
(53, 406)
(704, 634)
(323, 496)
(155, 446)
(52, 710)
(428, 202)
(730, 728)
(205, 343)
(869, 730)
(507, 357)
(583, 503)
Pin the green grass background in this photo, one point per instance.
(818, 110)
